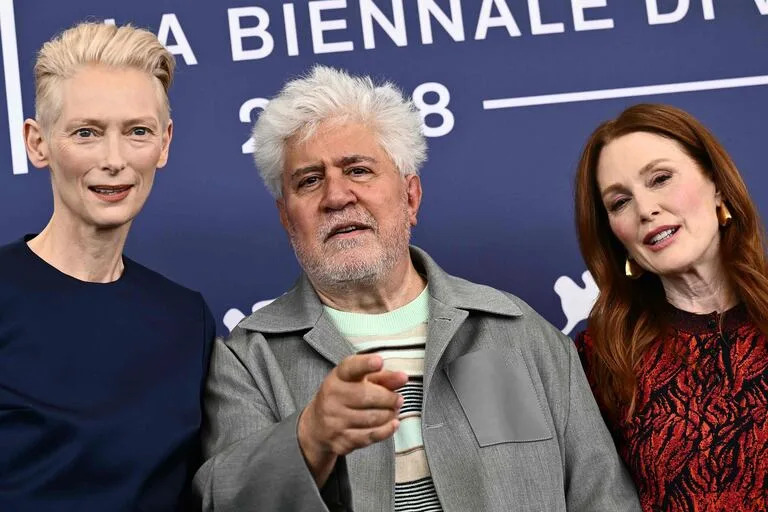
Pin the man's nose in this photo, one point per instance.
(338, 192)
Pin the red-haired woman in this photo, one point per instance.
(676, 344)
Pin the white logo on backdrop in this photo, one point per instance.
(233, 316)
(576, 300)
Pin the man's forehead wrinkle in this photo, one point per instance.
(339, 162)
(353, 159)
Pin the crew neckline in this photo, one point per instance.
(391, 322)
(63, 275)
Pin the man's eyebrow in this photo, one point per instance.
(643, 171)
(341, 162)
(354, 159)
(301, 171)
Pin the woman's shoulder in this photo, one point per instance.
(584, 341)
(584, 346)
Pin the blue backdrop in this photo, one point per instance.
(498, 183)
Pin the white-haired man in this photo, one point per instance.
(379, 382)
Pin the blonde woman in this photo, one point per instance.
(101, 359)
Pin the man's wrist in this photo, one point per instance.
(319, 461)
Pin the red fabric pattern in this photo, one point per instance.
(698, 441)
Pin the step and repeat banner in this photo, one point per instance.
(509, 91)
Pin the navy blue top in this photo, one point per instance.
(100, 388)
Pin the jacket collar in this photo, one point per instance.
(300, 308)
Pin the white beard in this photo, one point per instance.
(329, 267)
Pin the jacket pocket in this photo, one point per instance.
(498, 398)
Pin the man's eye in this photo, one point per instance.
(308, 181)
(83, 132)
(358, 171)
(140, 131)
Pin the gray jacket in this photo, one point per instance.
(509, 422)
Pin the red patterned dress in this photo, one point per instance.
(698, 440)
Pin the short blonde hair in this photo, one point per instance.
(97, 43)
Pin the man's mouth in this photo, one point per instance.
(345, 230)
(659, 236)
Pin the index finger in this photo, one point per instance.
(355, 368)
(389, 379)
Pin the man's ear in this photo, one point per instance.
(37, 146)
(166, 144)
(413, 192)
(280, 203)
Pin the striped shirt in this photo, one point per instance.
(399, 337)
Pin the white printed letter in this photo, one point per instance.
(319, 26)
(291, 39)
(537, 27)
(504, 19)
(654, 18)
(12, 86)
(395, 30)
(762, 6)
(453, 25)
(237, 33)
(170, 24)
(580, 23)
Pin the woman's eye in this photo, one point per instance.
(618, 204)
(659, 179)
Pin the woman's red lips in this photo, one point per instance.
(659, 234)
(111, 193)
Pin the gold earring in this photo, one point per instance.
(631, 269)
(723, 214)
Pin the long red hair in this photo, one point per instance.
(627, 316)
